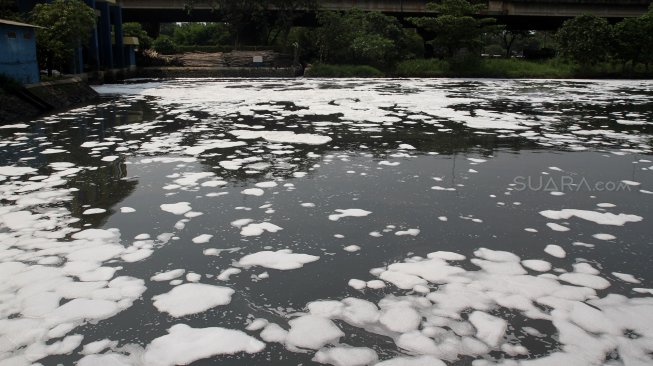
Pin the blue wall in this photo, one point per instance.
(18, 53)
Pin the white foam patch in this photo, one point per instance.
(184, 345)
(283, 137)
(413, 361)
(601, 218)
(258, 229)
(312, 332)
(202, 239)
(207, 145)
(283, 259)
(270, 184)
(94, 211)
(351, 212)
(411, 232)
(192, 298)
(537, 265)
(556, 227)
(253, 192)
(346, 356)
(626, 277)
(274, 333)
(168, 275)
(631, 183)
(401, 319)
(224, 275)
(586, 280)
(555, 250)
(15, 171)
(179, 208)
(357, 284)
(489, 329)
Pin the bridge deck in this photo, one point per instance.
(506, 10)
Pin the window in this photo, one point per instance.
(11, 34)
(27, 35)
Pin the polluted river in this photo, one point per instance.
(345, 222)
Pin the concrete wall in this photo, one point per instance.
(18, 53)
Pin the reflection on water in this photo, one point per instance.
(344, 222)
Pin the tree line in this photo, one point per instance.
(360, 38)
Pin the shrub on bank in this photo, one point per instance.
(516, 68)
(487, 68)
(427, 68)
(342, 71)
(165, 45)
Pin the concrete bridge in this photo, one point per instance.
(516, 12)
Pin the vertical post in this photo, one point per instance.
(119, 48)
(93, 49)
(104, 35)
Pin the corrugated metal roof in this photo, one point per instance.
(18, 24)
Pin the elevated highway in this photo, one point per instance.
(526, 14)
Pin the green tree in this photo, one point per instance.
(9, 10)
(136, 30)
(164, 44)
(360, 37)
(202, 34)
(647, 25)
(456, 28)
(67, 24)
(270, 20)
(629, 40)
(585, 39)
(241, 15)
(286, 14)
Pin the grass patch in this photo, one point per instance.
(343, 71)
(515, 68)
(423, 68)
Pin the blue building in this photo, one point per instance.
(107, 48)
(18, 51)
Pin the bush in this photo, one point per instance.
(342, 71)
(516, 68)
(423, 68)
(136, 30)
(165, 45)
(488, 68)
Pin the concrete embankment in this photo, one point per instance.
(217, 72)
(35, 99)
(23, 103)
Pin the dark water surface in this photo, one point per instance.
(485, 222)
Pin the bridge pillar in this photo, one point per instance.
(119, 47)
(104, 34)
(93, 54)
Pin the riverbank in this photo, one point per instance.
(24, 102)
(484, 68)
(218, 72)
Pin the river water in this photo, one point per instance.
(343, 222)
